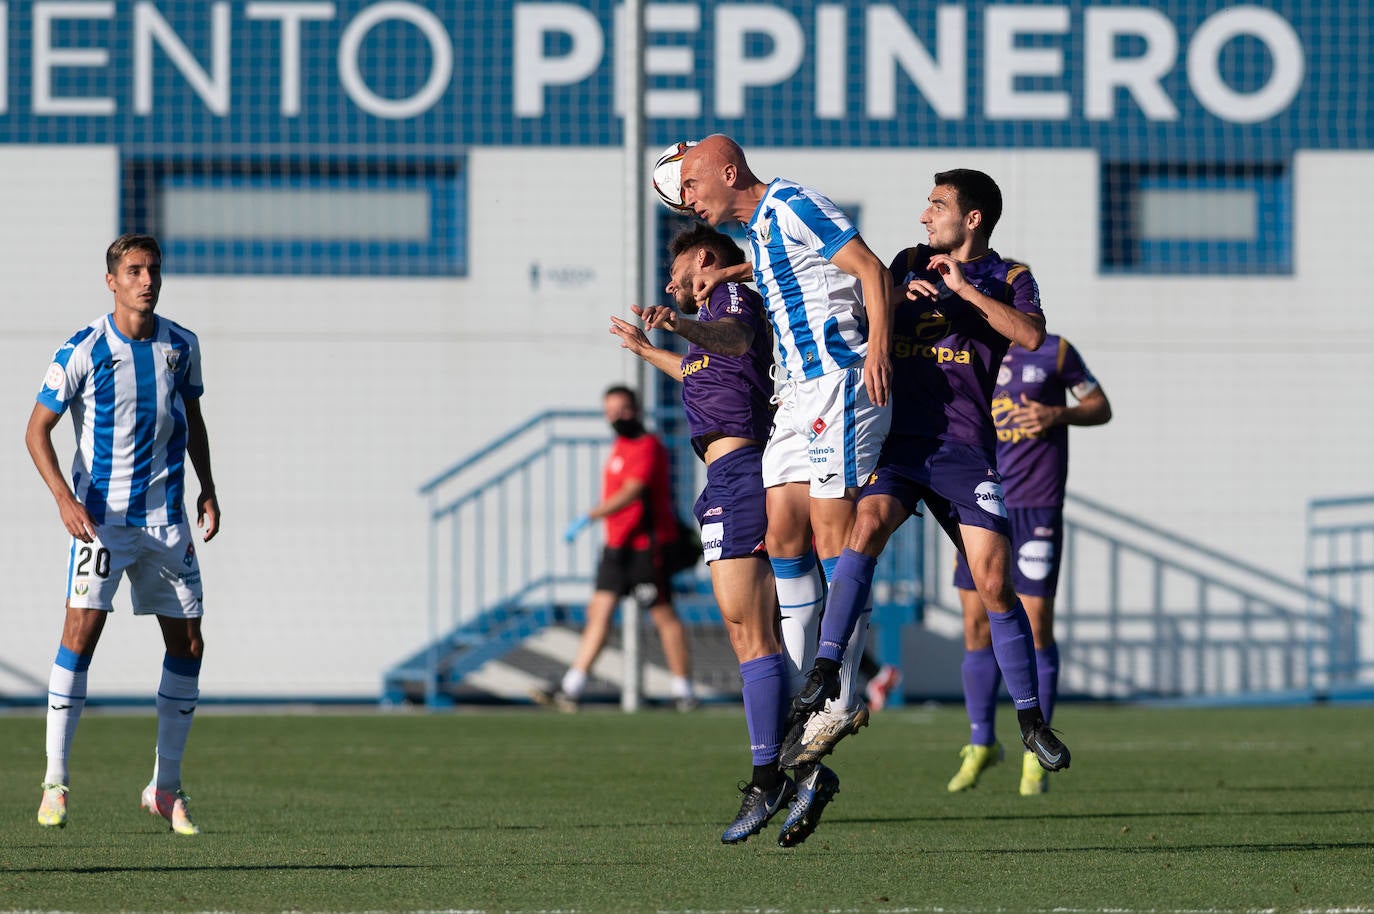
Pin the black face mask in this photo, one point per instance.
(628, 428)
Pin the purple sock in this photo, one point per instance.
(1047, 669)
(981, 679)
(849, 586)
(1014, 646)
(765, 703)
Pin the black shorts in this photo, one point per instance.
(638, 573)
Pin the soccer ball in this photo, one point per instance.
(667, 177)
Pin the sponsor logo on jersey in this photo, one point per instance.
(1033, 374)
(1035, 559)
(695, 365)
(817, 427)
(820, 455)
(714, 512)
(190, 557)
(904, 347)
(107, 365)
(1043, 531)
(712, 541)
(1002, 406)
(988, 495)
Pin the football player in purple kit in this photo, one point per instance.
(725, 393)
(965, 304)
(1030, 409)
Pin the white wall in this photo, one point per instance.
(330, 401)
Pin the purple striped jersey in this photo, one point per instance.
(127, 400)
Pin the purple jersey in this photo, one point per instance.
(1034, 467)
(727, 395)
(944, 353)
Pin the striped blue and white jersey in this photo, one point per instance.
(127, 403)
(817, 309)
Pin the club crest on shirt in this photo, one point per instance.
(1003, 375)
(172, 358)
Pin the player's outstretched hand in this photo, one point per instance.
(207, 514)
(631, 337)
(657, 317)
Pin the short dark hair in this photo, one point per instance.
(129, 241)
(974, 190)
(623, 391)
(726, 249)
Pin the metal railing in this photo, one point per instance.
(1340, 576)
(1141, 611)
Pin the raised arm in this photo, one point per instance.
(1025, 330)
(856, 259)
(633, 339)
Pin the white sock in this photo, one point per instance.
(177, 696)
(799, 588)
(66, 700)
(574, 681)
(853, 658)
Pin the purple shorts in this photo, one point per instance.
(958, 482)
(731, 507)
(1037, 545)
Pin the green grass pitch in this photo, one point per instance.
(1164, 810)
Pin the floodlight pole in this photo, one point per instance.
(632, 49)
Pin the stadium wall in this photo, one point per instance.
(330, 400)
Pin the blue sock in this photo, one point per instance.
(1014, 646)
(765, 704)
(1047, 669)
(981, 679)
(850, 582)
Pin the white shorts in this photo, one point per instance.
(161, 562)
(826, 432)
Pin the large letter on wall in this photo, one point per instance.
(534, 70)
(1005, 61)
(290, 15)
(940, 79)
(735, 71)
(46, 58)
(1285, 49)
(440, 67)
(149, 26)
(1104, 72)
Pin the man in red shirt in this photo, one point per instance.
(637, 508)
